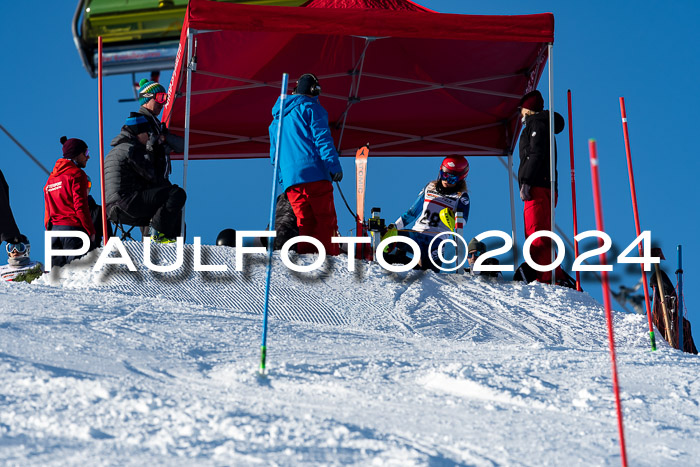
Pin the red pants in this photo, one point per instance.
(315, 210)
(537, 215)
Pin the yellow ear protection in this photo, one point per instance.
(315, 88)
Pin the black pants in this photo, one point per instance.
(65, 243)
(162, 205)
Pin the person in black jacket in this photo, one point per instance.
(153, 97)
(534, 177)
(135, 193)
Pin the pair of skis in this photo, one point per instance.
(363, 251)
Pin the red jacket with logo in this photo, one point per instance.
(66, 197)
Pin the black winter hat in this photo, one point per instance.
(532, 101)
(308, 84)
(73, 147)
(475, 245)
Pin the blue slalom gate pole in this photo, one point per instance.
(270, 240)
(679, 278)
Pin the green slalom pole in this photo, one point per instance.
(270, 241)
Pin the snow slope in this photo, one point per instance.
(365, 368)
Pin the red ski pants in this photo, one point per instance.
(537, 215)
(315, 210)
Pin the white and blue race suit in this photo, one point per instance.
(425, 211)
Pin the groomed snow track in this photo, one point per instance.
(412, 303)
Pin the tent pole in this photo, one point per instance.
(354, 88)
(512, 208)
(188, 98)
(573, 183)
(552, 162)
(105, 231)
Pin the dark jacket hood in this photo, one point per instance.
(559, 122)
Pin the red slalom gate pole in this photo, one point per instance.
(105, 231)
(573, 185)
(636, 220)
(606, 294)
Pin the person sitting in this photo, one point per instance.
(449, 191)
(19, 267)
(474, 250)
(136, 192)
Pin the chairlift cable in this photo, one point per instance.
(36, 161)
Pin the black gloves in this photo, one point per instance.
(525, 192)
(336, 177)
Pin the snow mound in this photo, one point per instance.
(459, 307)
(368, 367)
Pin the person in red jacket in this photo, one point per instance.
(66, 198)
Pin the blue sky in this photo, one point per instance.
(642, 51)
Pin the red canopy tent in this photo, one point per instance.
(410, 81)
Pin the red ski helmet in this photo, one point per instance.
(456, 165)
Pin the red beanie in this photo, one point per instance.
(532, 101)
(73, 147)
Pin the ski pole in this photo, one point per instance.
(606, 294)
(645, 285)
(679, 279)
(270, 242)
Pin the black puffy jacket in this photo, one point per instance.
(128, 169)
(534, 149)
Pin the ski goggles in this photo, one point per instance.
(160, 97)
(15, 247)
(449, 177)
(473, 254)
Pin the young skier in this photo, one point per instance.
(19, 267)
(449, 191)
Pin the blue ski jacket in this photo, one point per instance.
(307, 153)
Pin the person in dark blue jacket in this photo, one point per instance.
(308, 163)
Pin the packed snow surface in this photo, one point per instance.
(364, 368)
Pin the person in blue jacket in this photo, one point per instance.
(449, 192)
(308, 163)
